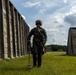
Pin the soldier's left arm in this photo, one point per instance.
(45, 36)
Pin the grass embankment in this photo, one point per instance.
(54, 63)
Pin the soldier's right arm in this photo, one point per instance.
(28, 40)
(30, 34)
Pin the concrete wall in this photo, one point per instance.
(71, 41)
(13, 31)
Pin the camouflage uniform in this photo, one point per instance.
(39, 40)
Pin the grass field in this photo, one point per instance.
(54, 63)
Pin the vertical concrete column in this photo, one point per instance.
(69, 44)
(1, 31)
(0, 26)
(24, 49)
(25, 36)
(20, 37)
(8, 28)
(27, 32)
(10, 31)
(74, 40)
(17, 33)
(23, 39)
(15, 30)
(71, 41)
(5, 29)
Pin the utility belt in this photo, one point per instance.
(37, 40)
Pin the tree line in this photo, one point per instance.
(55, 47)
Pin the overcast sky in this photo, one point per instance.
(57, 16)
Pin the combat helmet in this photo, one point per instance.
(38, 22)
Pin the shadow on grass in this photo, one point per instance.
(67, 55)
(15, 69)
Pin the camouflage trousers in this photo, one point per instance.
(37, 54)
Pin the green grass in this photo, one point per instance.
(53, 63)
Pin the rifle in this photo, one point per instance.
(29, 52)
